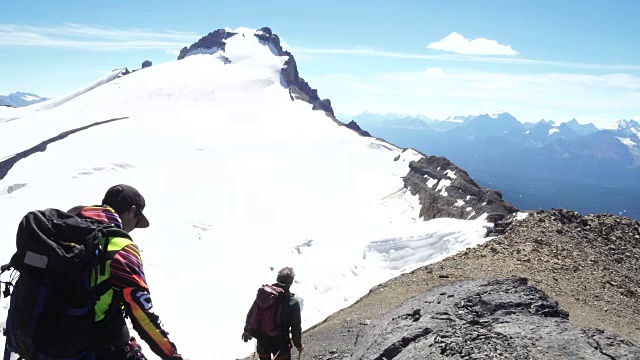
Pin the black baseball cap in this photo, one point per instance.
(121, 197)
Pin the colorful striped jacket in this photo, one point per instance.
(122, 288)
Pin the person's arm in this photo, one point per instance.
(246, 334)
(127, 276)
(296, 325)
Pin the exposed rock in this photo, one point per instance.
(446, 190)
(146, 64)
(14, 187)
(355, 127)
(212, 40)
(485, 319)
(124, 72)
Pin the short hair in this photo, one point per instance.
(133, 338)
(285, 276)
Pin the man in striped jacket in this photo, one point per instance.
(121, 286)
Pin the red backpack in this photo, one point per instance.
(265, 312)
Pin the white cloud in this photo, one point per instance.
(458, 44)
(467, 58)
(77, 36)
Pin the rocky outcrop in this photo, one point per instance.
(355, 127)
(212, 40)
(484, 319)
(446, 190)
(124, 72)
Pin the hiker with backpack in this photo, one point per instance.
(274, 319)
(80, 276)
(135, 350)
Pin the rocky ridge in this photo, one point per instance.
(445, 190)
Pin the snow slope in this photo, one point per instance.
(239, 181)
(7, 113)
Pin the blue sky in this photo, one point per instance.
(536, 59)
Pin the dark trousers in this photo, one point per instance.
(280, 349)
(110, 339)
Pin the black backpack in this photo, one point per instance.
(51, 311)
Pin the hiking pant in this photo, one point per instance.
(281, 350)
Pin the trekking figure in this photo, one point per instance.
(274, 319)
(135, 350)
(123, 284)
(134, 342)
(80, 275)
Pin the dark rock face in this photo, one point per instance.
(355, 127)
(146, 64)
(298, 87)
(212, 40)
(484, 319)
(446, 190)
(124, 72)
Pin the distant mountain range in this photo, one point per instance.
(536, 165)
(20, 99)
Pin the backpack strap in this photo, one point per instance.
(7, 284)
(107, 234)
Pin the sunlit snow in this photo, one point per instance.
(30, 98)
(451, 174)
(627, 141)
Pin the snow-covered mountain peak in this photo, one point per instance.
(20, 99)
(232, 42)
(459, 118)
(497, 114)
(624, 124)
